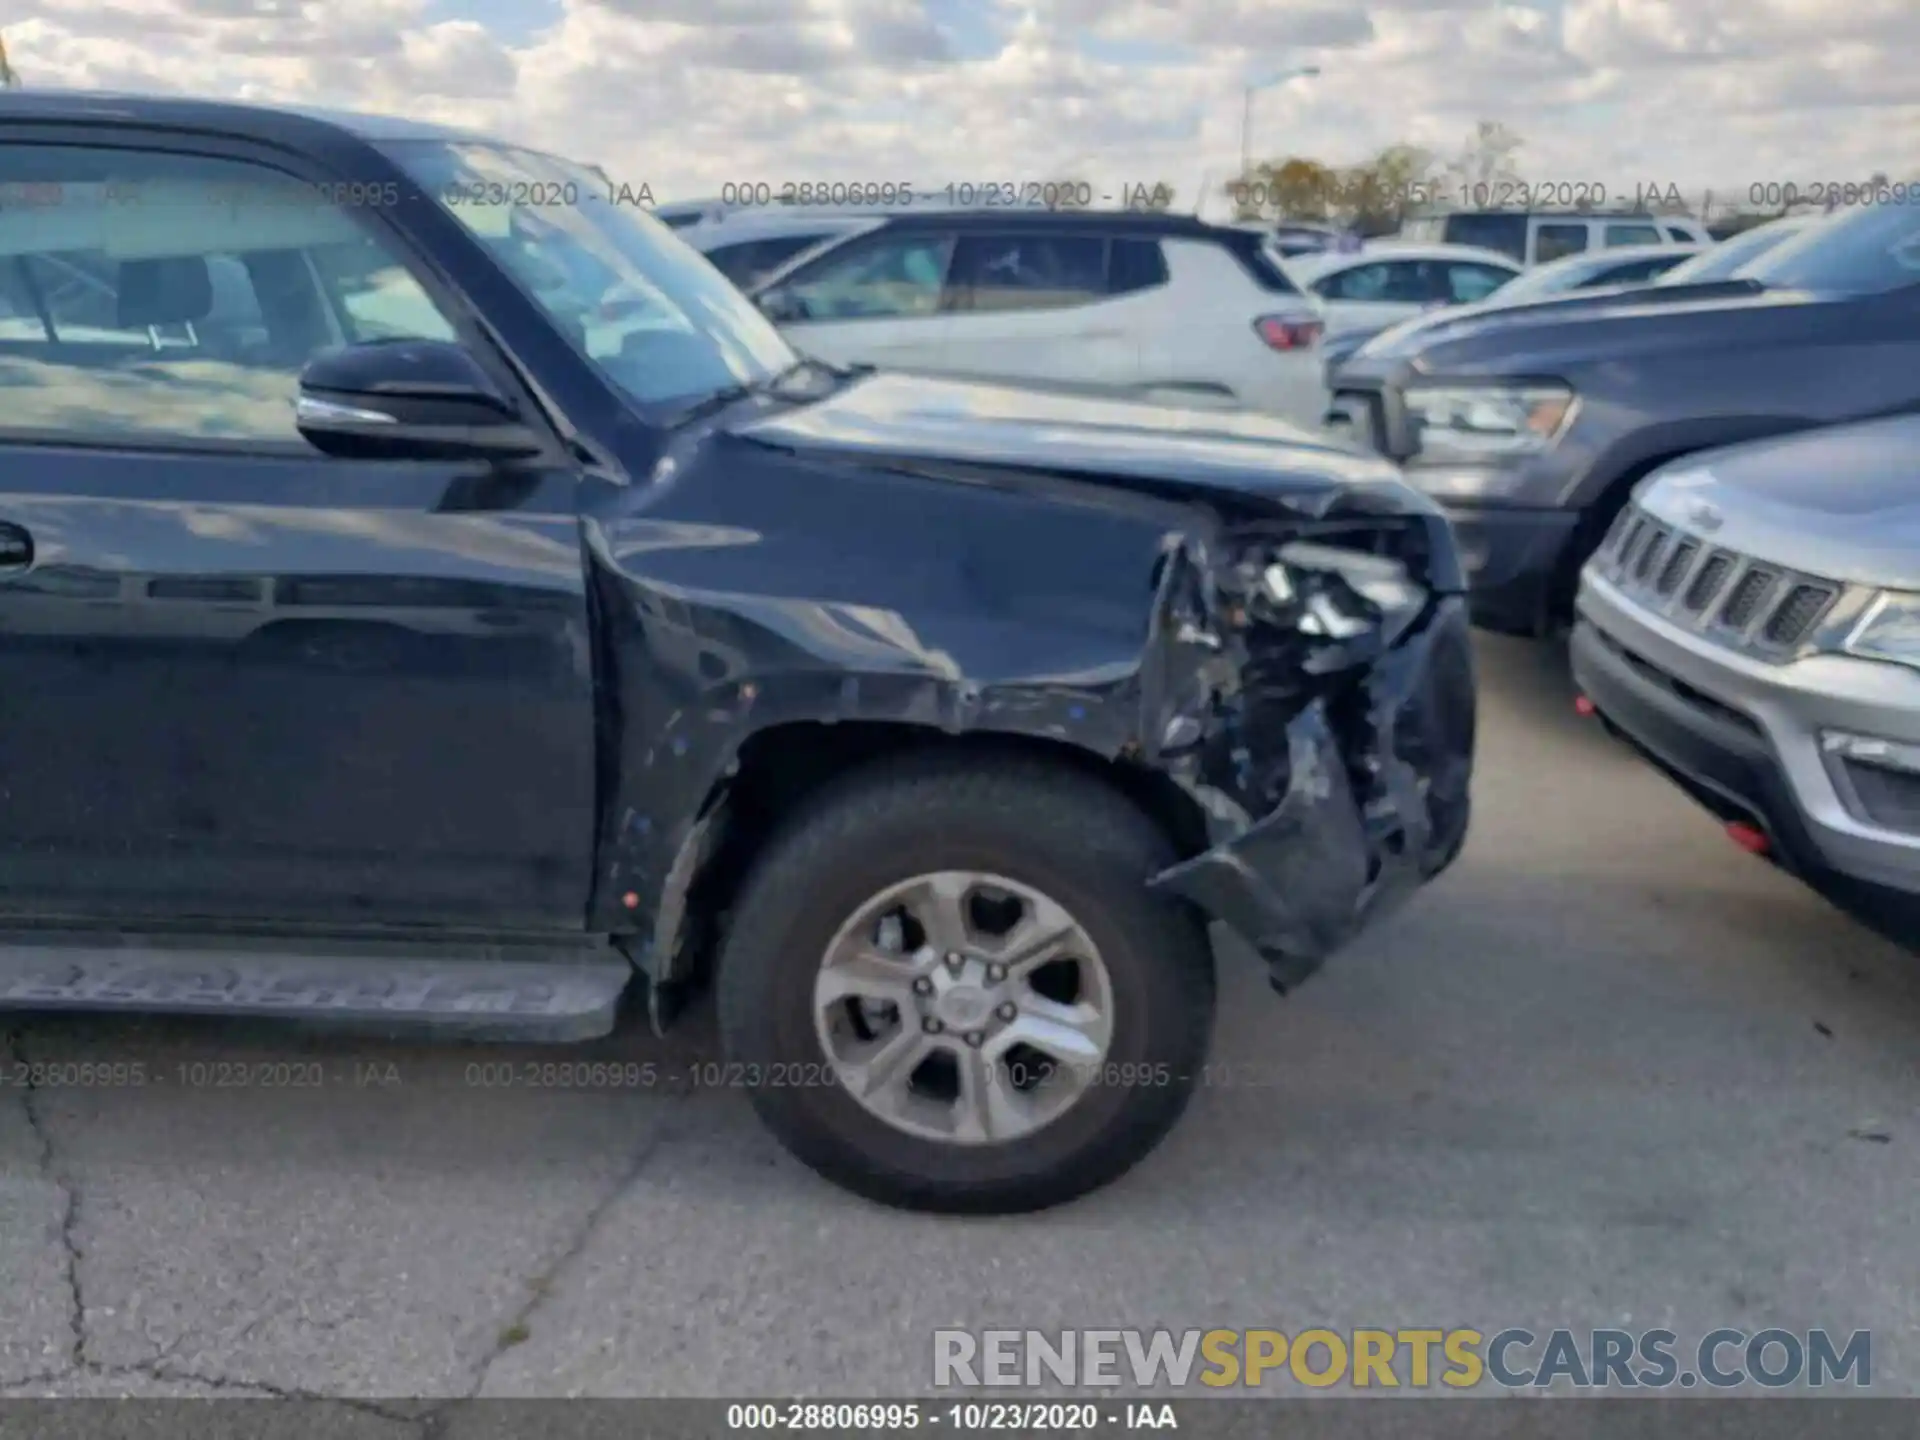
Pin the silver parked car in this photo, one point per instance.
(1752, 625)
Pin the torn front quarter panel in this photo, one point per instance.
(1071, 576)
(1330, 744)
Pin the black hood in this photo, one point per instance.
(919, 422)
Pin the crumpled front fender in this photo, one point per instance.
(1366, 795)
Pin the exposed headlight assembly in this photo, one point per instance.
(1888, 629)
(1338, 594)
(1483, 422)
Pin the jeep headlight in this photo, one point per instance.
(1488, 422)
(1889, 629)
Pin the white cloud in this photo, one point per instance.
(687, 94)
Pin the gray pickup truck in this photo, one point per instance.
(1531, 425)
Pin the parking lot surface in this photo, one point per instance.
(1610, 1071)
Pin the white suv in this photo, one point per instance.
(1390, 281)
(1165, 307)
(1538, 236)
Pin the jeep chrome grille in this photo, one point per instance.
(1707, 580)
(1756, 582)
(1733, 598)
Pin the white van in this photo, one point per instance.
(1535, 237)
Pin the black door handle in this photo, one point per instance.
(16, 547)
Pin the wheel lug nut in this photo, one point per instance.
(931, 1026)
(996, 973)
(923, 986)
(955, 960)
(1006, 1011)
(974, 1038)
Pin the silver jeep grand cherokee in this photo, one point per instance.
(1751, 624)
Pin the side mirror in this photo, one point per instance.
(781, 305)
(408, 400)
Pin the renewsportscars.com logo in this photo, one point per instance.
(1458, 1359)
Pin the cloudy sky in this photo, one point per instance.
(686, 94)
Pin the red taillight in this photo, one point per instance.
(1288, 332)
(1749, 838)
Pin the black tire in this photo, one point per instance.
(1063, 833)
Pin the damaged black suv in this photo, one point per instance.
(430, 593)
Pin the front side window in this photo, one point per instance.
(892, 275)
(1027, 272)
(1468, 283)
(629, 295)
(1359, 282)
(180, 296)
(378, 299)
(1556, 240)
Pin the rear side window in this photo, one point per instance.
(1505, 233)
(1034, 271)
(1135, 265)
(1556, 239)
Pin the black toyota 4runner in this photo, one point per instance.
(430, 593)
(1531, 425)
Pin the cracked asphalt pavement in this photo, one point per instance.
(1609, 1071)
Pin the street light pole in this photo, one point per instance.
(1303, 72)
(1246, 135)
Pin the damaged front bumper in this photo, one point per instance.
(1331, 797)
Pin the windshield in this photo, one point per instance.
(636, 300)
(1864, 252)
(1718, 262)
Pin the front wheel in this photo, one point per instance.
(949, 988)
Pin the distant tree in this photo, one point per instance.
(1376, 196)
(1292, 189)
(1486, 161)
